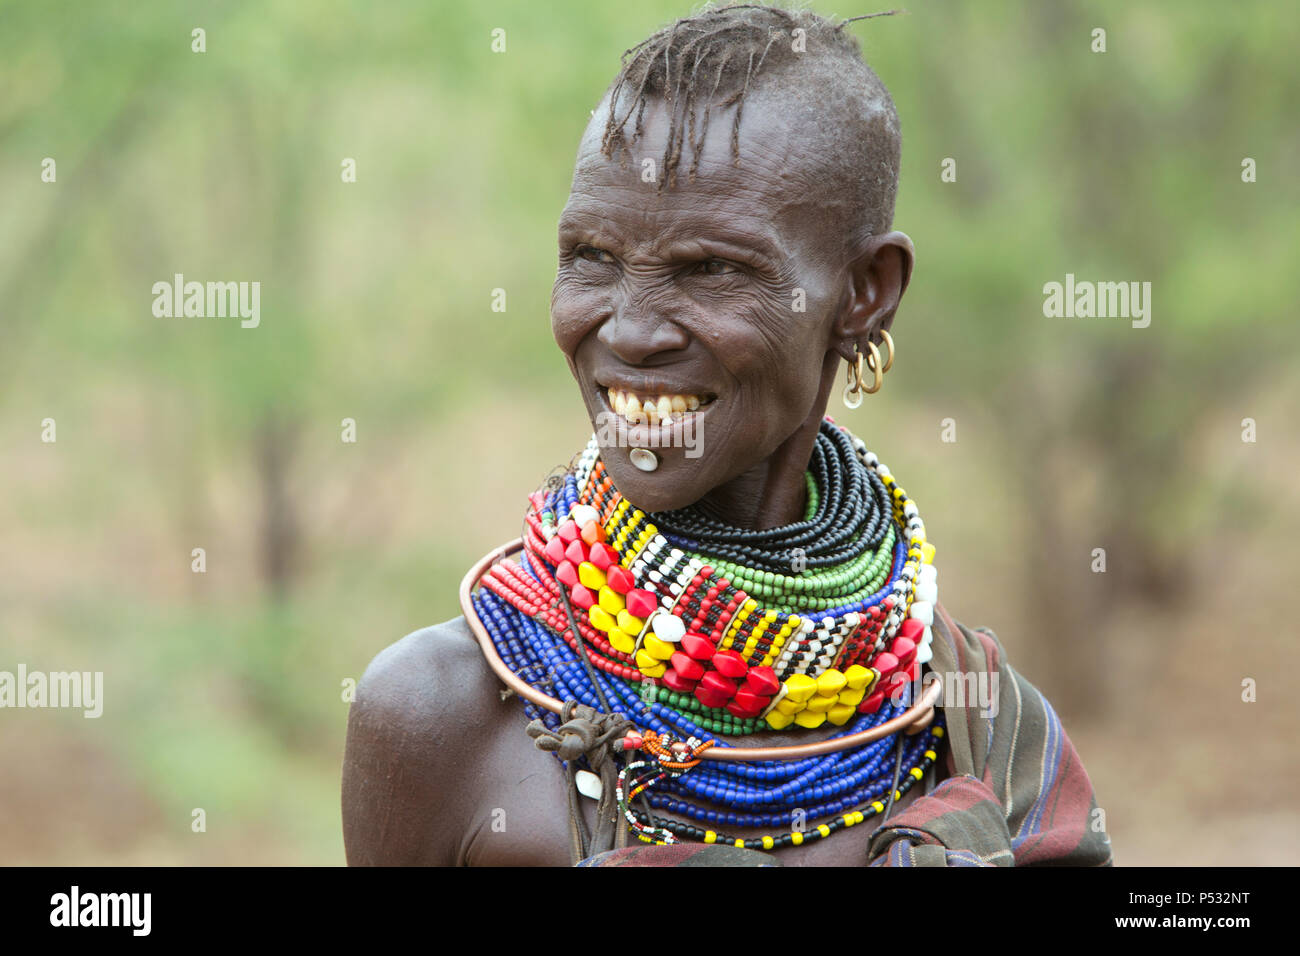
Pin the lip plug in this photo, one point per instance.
(644, 459)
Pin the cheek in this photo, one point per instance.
(575, 312)
(776, 354)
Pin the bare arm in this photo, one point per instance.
(404, 801)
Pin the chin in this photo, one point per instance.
(677, 482)
(683, 473)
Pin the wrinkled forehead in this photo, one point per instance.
(777, 168)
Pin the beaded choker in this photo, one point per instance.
(693, 628)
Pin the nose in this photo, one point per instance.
(638, 333)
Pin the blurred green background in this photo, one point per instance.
(224, 690)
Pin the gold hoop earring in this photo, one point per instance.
(889, 343)
(873, 363)
(853, 390)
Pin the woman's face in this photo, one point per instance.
(712, 301)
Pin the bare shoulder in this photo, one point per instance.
(413, 719)
(425, 671)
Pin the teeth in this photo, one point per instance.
(654, 410)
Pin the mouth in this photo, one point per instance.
(652, 419)
(657, 408)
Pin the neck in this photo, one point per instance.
(770, 494)
(773, 492)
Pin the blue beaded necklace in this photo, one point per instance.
(839, 789)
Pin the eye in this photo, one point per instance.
(717, 267)
(592, 254)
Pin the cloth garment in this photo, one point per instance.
(1017, 793)
(681, 854)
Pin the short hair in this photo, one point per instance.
(717, 56)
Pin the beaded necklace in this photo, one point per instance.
(693, 628)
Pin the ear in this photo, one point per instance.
(878, 273)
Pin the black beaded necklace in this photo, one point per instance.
(852, 517)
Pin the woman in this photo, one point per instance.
(723, 567)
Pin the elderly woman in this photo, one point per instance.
(723, 619)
